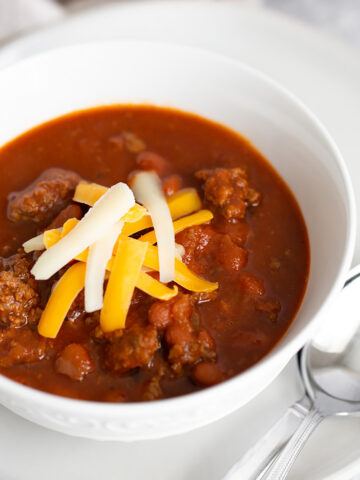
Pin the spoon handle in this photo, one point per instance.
(283, 463)
(260, 455)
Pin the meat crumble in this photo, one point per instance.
(229, 191)
(45, 196)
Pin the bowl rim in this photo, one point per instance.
(282, 352)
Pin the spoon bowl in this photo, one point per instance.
(331, 373)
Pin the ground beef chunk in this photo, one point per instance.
(45, 197)
(228, 190)
(21, 345)
(19, 297)
(159, 370)
(75, 362)
(187, 342)
(130, 348)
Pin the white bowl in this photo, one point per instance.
(286, 132)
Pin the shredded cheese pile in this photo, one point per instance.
(102, 241)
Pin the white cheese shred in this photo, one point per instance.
(34, 244)
(99, 254)
(105, 213)
(147, 190)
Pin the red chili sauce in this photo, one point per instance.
(256, 248)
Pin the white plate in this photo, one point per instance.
(323, 73)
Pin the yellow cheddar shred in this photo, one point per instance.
(68, 226)
(184, 202)
(126, 267)
(181, 203)
(59, 303)
(51, 237)
(183, 276)
(134, 214)
(88, 193)
(82, 257)
(187, 279)
(154, 288)
(142, 224)
(197, 218)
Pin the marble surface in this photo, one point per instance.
(337, 17)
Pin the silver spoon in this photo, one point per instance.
(323, 376)
(332, 387)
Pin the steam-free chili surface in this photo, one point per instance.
(256, 247)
